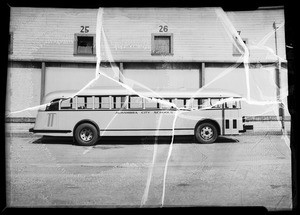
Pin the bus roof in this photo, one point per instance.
(163, 93)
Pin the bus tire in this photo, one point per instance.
(206, 133)
(86, 134)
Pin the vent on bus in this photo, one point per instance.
(227, 123)
(234, 123)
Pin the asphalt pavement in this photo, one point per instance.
(251, 169)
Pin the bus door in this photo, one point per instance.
(231, 117)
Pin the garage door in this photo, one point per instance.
(164, 78)
(58, 78)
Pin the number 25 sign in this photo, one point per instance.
(84, 29)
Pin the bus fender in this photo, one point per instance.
(87, 121)
(214, 122)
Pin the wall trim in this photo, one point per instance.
(20, 119)
(93, 61)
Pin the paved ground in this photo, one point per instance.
(253, 169)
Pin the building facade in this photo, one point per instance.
(161, 48)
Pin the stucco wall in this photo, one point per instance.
(23, 91)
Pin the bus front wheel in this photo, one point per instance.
(206, 133)
(86, 134)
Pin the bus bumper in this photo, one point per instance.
(245, 128)
(49, 131)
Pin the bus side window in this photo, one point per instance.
(89, 102)
(203, 103)
(172, 101)
(189, 103)
(195, 103)
(66, 104)
(229, 105)
(151, 104)
(166, 104)
(232, 104)
(85, 102)
(178, 102)
(183, 102)
(135, 102)
(214, 102)
(102, 102)
(80, 102)
(97, 100)
(119, 102)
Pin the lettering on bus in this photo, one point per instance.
(144, 112)
(163, 112)
(126, 112)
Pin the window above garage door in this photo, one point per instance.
(162, 44)
(84, 44)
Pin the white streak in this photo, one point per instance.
(150, 171)
(233, 32)
(168, 158)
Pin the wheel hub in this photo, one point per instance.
(86, 134)
(206, 133)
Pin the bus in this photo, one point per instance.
(98, 112)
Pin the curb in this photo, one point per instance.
(20, 120)
(22, 134)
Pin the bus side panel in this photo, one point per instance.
(190, 119)
(47, 121)
(69, 119)
(131, 123)
(140, 123)
(233, 122)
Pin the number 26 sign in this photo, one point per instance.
(163, 28)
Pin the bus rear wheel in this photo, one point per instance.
(206, 133)
(86, 134)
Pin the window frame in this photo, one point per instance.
(100, 104)
(130, 103)
(114, 102)
(71, 104)
(153, 35)
(235, 50)
(76, 35)
(86, 105)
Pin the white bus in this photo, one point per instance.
(119, 112)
